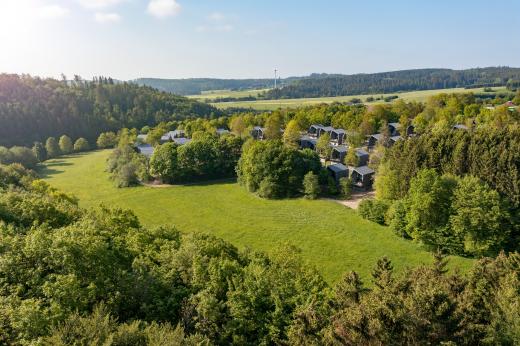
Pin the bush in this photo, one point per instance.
(52, 148)
(65, 144)
(81, 145)
(390, 98)
(39, 151)
(396, 218)
(311, 186)
(332, 186)
(373, 210)
(370, 99)
(345, 187)
(106, 140)
(163, 163)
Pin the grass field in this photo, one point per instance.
(332, 237)
(275, 104)
(214, 94)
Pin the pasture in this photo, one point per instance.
(419, 96)
(331, 237)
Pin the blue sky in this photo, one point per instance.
(127, 39)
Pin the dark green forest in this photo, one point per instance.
(322, 85)
(33, 109)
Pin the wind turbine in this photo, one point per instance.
(275, 77)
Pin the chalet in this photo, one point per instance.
(325, 129)
(338, 171)
(145, 149)
(394, 129)
(338, 153)
(222, 132)
(314, 130)
(258, 132)
(374, 139)
(170, 136)
(307, 142)
(181, 141)
(394, 139)
(362, 177)
(363, 157)
(460, 127)
(338, 136)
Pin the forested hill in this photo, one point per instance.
(321, 85)
(195, 86)
(32, 109)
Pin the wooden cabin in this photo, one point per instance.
(307, 142)
(314, 130)
(394, 129)
(338, 136)
(258, 132)
(362, 177)
(337, 171)
(325, 129)
(338, 153)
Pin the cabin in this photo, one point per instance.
(338, 153)
(337, 171)
(374, 139)
(362, 177)
(314, 130)
(363, 157)
(258, 132)
(394, 140)
(410, 130)
(394, 129)
(222, 132)
(145, 149)
(338, 136)
(460, 127)
(181, 141)
(307, 142)
(171, 135)
(325, 129)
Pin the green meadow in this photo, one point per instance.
(419, 96)
(331, 237)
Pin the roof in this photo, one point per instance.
(396, 138)
(460, 127)
(337, 167)
(317, 126)
(145, 149)
(222, 131)
(361, 152)
(181, 141)
(396, 125)
(377, 136)
(258, 128)
(327, 128)
(339, 131)
(143, 137)
(340, 149)
(363, 170)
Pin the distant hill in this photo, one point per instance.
(195, 86)
(322, 85)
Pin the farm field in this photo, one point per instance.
(332, 237)
(420, 96)
(214, 94)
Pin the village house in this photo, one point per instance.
(338, 136)
(222, 132)
(171, 135)
(394, 139)
(307, 142)
(410, 130)
(338, 153)
(258, 132)
(325, 129)
(338, 171)
(362, 177)
(394, 129)
(373, 140)
(145, 149)
(314, 130)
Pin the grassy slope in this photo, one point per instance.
(332, 237)
(213, 94)
(275, 104)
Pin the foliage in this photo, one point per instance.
(373, 210)
(278, 169)
(39, 151)
(106, 140)
(345, 188)
(65, 144)
(21, 155)
(127, 167)
(163, 163)
(81, 144)
(323, 146)
(311, 186)
(52, 148)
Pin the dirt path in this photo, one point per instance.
(356, 198)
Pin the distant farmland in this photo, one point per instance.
(420, 96)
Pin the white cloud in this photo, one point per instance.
(97, 4)
(216, 17)
(107, 17)
(53, 12)
(163, 8)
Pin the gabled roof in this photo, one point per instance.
(142, 137)
(361, 152)
(339, 131)
(327, 128)
(316, 126)
(145, 149)
(396, 138)
(377, 136)
(460, 127)
(222, 131)
(337, 167)
(395, 125)
(181, 141)
(363, 170)
(340, 148)
(258, 128)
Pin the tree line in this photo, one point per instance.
(33, 109)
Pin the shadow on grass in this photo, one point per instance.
(227, 181)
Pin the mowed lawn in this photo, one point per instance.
(332, 237)
(420, 96)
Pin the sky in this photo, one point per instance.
(127, 39)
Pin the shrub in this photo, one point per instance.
(332, 186)
(373, 210)
(396, 218)
(65, 144)
(311, 186)
(106, 140)
(80, 145)
(52, 148)
(345, 187)
(39, 151)
(370, 99)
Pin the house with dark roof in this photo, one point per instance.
(394, 129)
(394, 139)
(307, 142)
(410, 130)
(363, 157)
(338, 136)
(338, 153)
(362, 177)
(374, 139)
(325, 129)
(145, 149)
(337, 171)
(171, 135)
(314, 130)
(258, 132)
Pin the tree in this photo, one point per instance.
(273, 126)
(52, 148)
(39, 151)
(311, 186)
(345, 187)
(323, 146)
(81, 144)
(163, 163)
(106, 140)
(65, 144)
(291, 135)
(352, 159)
(238, 126)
